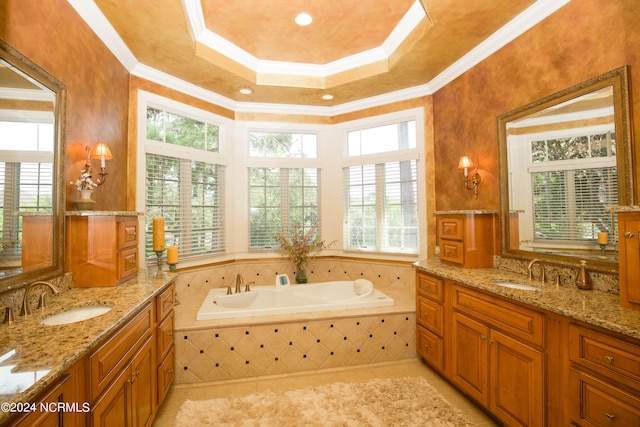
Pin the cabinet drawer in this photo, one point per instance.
(609, 356)
(510, 318)
(164, 334)
(127, 263)
(165, 303)
(430, 287)
(127, 232)
(430, 347)
(452, 251)
(430, 315)
(595, 403)
(451, 228)
(108, 360)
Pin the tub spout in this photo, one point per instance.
(239, 283)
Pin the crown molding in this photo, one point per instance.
(88, 10)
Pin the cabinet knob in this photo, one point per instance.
(482, 338)
(491, 341)
(628, 234)
(132, 234)
(426, 346)
(170, 371)
(170, 334)
(608, 359)
(610, 417)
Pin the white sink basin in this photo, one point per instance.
(77, 314)
(514, 285)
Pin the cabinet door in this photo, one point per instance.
(470, 357)
(112, 409)
(629, 248)
(430, 315)
(143, 386)
(516, 381)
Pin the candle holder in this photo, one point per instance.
(159, 255)
(172, 266)
(602, 248)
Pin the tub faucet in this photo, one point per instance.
(542, 273)
(26, 310)
(239, 283)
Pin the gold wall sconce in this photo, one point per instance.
(465, 164)
(100, 151)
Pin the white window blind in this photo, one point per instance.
(569, 205)
(189, 195)
(24, 187)
(280, 198)
(381, 207)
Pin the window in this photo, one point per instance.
(26, 177)
(569, 202)
(185, 183)
(281, 197)
(381, 197)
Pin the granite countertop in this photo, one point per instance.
(33, 355)
(104, 213)
(591, 306)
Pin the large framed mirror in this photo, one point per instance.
(32, 108)
(563, 160)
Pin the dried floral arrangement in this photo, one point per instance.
(301, 247)
(85, 182)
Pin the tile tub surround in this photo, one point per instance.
(594, 306)
(224, 349)
(51, 350)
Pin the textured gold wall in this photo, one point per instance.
(53, 35)
(583, 39)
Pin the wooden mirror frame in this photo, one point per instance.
(28, 67)
(626, 156)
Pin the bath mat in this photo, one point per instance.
(410, 401)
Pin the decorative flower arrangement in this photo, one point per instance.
(301, 247)
(85, 182)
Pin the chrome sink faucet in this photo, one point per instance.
(26, 310)
(542, 272)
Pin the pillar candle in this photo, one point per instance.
(172, 255)
(158, 234)
(603, 238)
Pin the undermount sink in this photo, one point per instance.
(514, 285)
(76, 315)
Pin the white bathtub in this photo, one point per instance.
(262, 300)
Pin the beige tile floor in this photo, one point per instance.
(411, 367)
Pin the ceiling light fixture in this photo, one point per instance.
(246, 91)
(303, 19)
(327, 97)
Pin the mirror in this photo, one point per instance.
(563, 160)
(32, 104)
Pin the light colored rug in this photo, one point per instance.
(410, 401)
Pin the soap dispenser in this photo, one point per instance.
(583, 281)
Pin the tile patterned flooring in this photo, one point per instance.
(241, 387)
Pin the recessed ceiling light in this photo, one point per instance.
(327, 97)
(303, 19)
(246, 91)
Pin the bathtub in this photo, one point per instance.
(263, 300)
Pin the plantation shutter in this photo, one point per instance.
(189, 195)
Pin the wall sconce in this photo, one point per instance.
(466, 163)
(100, 151)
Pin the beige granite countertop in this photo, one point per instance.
(104, 213)
(33, 355)
(591, 306)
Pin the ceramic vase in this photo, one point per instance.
(85, 203)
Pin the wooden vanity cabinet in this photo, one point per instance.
(102, 250)
(165, 316)
(497, 356)
(467, 239)
(123, 375)
(629, 253)
(604, 378)
(430, 319)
